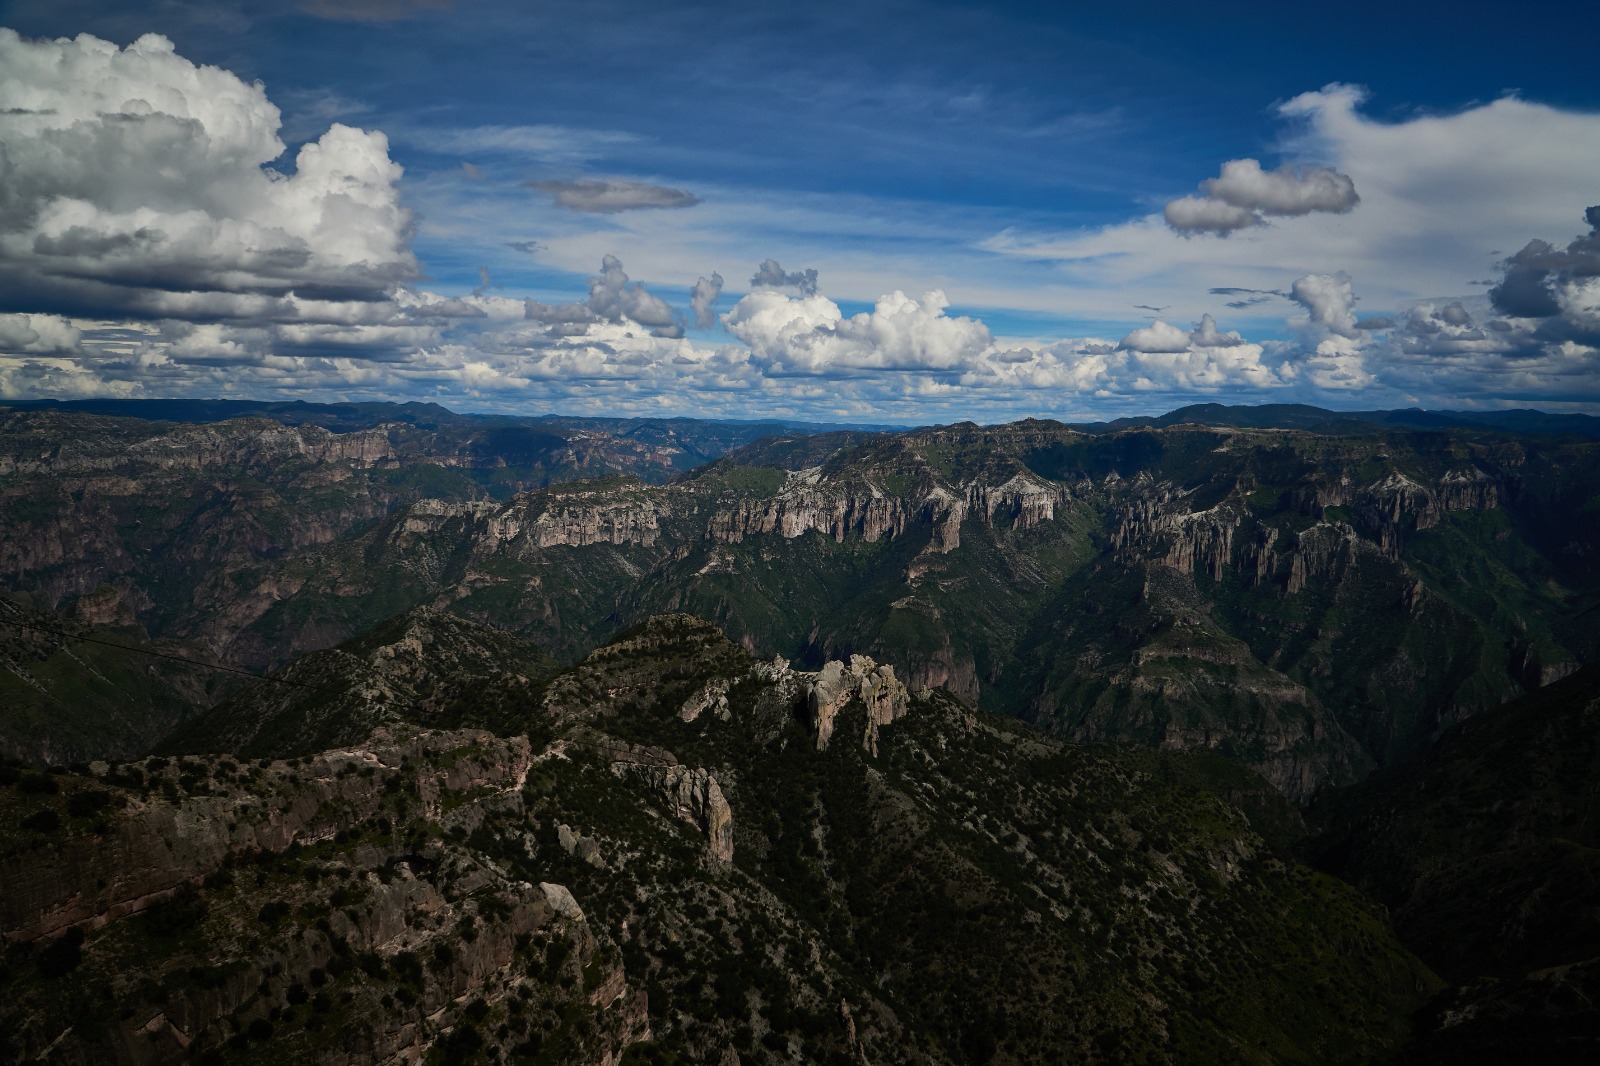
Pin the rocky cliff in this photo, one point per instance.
(1006, 564)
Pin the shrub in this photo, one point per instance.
(42, 821)
(178, 915)
(273, 912)
(38, 784)
(63, 955)
(88, 803)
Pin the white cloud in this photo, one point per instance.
(1206, 335)
(1329, 300)
(702, 297)
(612, 298)
(1159, 336)
(1244, 195)
(1200, 214)
(38, 335)
(144, 250)
(133, 180)
(810, 335)
(771, 275)
(1442, 196)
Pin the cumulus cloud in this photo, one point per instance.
(810, 335)
(1157, 337)
(702, 297)
(145, 250)
(1163, 337)
(1199, 214)
(770, 275)
(1433, 202)
(607, 196)
(1164, 357)
(1244, 195)
(134, 181)
(612, 298)
(1538, 278)
(616, 299)
(38, 335)
(1329, 300)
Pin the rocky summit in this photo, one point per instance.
(382, 736)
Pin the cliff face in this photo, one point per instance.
(864, 810)
(963, 556)
(989, 561)
(1228, 537)
(838, 684)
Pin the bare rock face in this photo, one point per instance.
(1157, 522)
(837, 509)
(808, 504)
(713, 697)
(837, 684)
(603, 522)
(692, 794)
(1397, 504)
(945, 513)
(1023, 501)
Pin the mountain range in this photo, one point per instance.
(1235, 735)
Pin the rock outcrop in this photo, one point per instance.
(691, 794)
(838, 684)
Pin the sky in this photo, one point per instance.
(877, 211)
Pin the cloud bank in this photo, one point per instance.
(155, 241)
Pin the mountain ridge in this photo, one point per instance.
(685, 852)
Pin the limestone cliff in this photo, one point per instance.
(838, 684)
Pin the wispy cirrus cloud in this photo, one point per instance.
(538, 142)
(609, 196)
(373, 10)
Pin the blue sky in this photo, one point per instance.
(1036, 168)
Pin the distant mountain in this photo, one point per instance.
(684, 854)
(345, 417)
(1311, 604)
(339, 417)
(709, 438)
(1302, 416)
